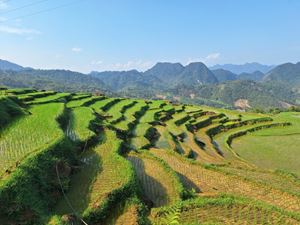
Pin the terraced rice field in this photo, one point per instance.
(30, 134)
(268, 148)
(78, 127)
(160, 185)
(101, 160)
(107, 171)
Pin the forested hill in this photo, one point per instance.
(193, 83)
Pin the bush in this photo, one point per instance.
(33, 187)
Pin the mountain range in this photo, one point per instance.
(258, 86)
(244, 68)
(6, 65)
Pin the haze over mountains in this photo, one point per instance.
(6, 65)
(244, 68)
(253, 84)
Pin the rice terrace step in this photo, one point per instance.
(68, 158)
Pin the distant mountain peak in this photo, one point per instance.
(197, 72)
(244, 68)
(194, 64)
(165, 71)
(288, 73)
(224, 75)
(167, 63)
(6, 65)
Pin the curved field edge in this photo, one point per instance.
(27, 189)
(26, 192)
(229, 207)
(153, 118)
(30, 134)
(10, 109)
(80, 123)
(208, 180)
(100, 211)
(166, 180)
(101, 199)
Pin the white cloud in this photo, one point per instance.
(191, 60)
(76, 49)
(97, 62)
(207, 59)
(139, 65)
(213, 56)
(17, 30)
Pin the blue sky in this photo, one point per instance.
(101, 35)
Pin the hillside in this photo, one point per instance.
(258, 95)
(244, 68)
(6, 65)
(166, 72)
(224, 75)
(193, 83)
(83, 159)
(196, 73)
(288, 73)
(255, 76)
(58, 80)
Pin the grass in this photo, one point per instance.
(175, 130)
(30, 133)
(160, 184)
(34, 95)
(115, 111)
(258, 166)
(82, 101)
(19, 91)
(168, 107)
(79, 96)
(165, 140)
(150, 115)
(156, 104)
(139, 141)
(79, 127)
(224, 210)
(232, 114)
(103, 172)
(221, 139)
(208, 181)
(129, 115)
(98, 105)
(192, 108)
(10, 109)
(278, 179)
(275, 148)
(129, 217)
(50, 98)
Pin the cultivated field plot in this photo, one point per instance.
(101, 160)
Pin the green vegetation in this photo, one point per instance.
(160, 184)
(83, 101)
(51, 98)
(10, 109)
(275, 148)
(81, 118)
(31, 133)
(79, 158)
(222, 210)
